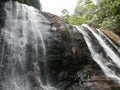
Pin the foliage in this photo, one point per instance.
(76, 20)
(85, 9)
(109, 13)
(102, 14)
(65, 15)
(83, 12)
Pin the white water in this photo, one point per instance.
(101, 33)
(98, 57)
(106, 47)
(24, 26)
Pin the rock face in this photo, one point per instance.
(68, 65)
(113, 36)
(68, 54)
(117, 32)
(2, 14)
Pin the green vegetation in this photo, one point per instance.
(102, 14)
(65, 15)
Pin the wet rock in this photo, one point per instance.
(70, 65)
(68, 55)
(112, 36)
(2, 15)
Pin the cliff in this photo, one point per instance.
(59, 54)
(72, 66)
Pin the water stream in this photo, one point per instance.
(101, 52)
(25, 34)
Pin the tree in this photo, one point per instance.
(65, 14)
(85, 10)
(76, 20)
(109, 13)
(104, 14)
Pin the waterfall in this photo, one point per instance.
(107, 39)
(24, 32)
(102, 52)
(37, 54)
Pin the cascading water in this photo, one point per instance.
(24, 32)
(101, 52)
(107, 39)
(35, 54)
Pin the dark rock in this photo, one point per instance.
(70, 65)
(117, 32)
(2, 15)
(68, 55)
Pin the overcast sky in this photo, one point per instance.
(56, 6)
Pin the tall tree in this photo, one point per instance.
(109, 13)
(65, 14)
(85, 10)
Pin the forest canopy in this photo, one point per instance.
(103, 14)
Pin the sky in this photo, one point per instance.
(56, 6)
